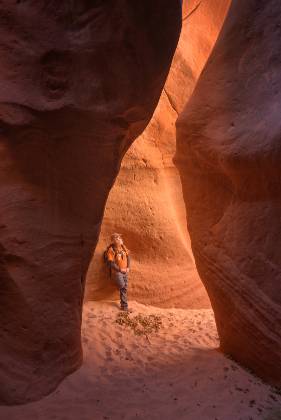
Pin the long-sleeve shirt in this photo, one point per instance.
(118, 258)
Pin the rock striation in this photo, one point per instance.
(79, 81)
(228, 155)
(146, 202)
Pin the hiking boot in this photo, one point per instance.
(123, 308)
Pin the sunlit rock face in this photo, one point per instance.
(79, 81)
(146, 203)
(228, 154)
(202, 22)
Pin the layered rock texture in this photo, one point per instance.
(228, 155)
(79, 81)
(146, 203)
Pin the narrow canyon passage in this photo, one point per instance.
(146, 205)
(159, 120)
(146, 202)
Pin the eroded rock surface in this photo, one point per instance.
(146, 203)
(228, 154)
(78, 82)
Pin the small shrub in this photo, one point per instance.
(140, 324)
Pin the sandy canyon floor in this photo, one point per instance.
(175, 373)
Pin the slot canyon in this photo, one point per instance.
(159, 120)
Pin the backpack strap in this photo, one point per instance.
(125, 249)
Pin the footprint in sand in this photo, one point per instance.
(135, 347)
(108, 354)
(177, 336)
(104, 370)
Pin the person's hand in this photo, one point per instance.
(127, 269)
(123, 270)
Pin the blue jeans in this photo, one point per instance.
(121, 279)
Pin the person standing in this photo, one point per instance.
(118, 258)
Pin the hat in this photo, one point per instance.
(116, 235)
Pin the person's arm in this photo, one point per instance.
(114, 265)
(110, 259)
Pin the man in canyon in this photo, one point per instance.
(118, 258)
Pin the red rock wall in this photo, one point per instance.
(228, 155)
(78, 82)
(146, 203)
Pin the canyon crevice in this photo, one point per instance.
(146, 202)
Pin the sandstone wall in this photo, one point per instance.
(146, 203)
(228, 155)
(79, 82)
